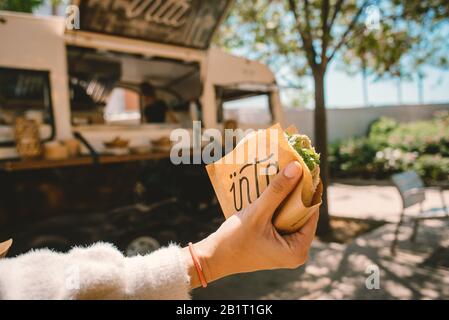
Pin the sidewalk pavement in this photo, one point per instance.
(374, 202)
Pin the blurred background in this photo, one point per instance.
(367, 80)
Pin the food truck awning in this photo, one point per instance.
(187, 23)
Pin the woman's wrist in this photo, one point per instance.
(204, 257)
(206, 254)
(193, 274)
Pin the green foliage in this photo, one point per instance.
(392, 147)
(410, 34)
(380, 130)
(433, 167)
(265, 30)
(351, 156)
(424, 137)
(20, 5)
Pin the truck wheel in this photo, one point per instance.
(142, 246)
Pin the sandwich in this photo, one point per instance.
(303, 146)
(239, 184)
(297, 208)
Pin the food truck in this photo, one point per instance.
(82, 79)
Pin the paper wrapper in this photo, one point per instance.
(4, 247)
(238, 184)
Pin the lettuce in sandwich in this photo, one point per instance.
(303, 146)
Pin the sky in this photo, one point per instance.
(343, 90)
(346, 91)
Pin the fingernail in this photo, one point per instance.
(292, 170)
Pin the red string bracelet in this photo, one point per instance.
(198, 267)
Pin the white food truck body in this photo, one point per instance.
(44, 44)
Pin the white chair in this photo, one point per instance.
(413, 191)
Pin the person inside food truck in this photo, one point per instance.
(155, 110)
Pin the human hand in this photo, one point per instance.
(248, 241)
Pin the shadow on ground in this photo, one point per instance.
(339, 271)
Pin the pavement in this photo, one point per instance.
(363, 268)
(375, 202)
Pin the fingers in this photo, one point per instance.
(309, 229)
(279, 188)
(303, 238)
(300, 241)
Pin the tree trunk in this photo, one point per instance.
(321, 146)
(399, 87)
(365, 86)
(420, 87)
(54, 8)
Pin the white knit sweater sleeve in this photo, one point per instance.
(96, 272)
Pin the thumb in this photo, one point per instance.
(278, 189)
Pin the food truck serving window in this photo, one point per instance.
(25, 93)
(106, 87)
(123, 105)
(244, 106)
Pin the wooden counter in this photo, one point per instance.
(20, 165)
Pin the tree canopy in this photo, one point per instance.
(20, 5)
(410, 34)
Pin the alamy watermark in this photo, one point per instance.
(72, 17)
(373, 18)
(372, 282)
(208, 146)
